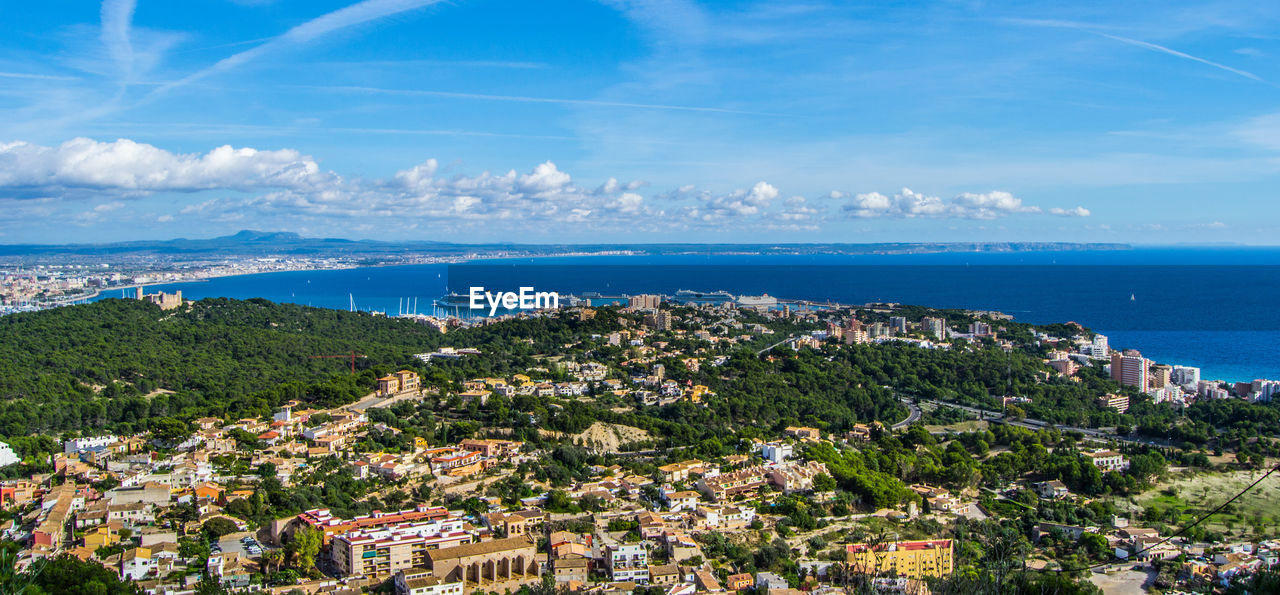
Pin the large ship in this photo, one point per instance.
(454, 304)
(757, 301)
(699, 298)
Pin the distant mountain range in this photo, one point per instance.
(258, 243)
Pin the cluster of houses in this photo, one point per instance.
(466, 458)
(1206, 564)
(68, 516)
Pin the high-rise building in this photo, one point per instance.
(644, 302)
(1161, 375)
(1098, 349)
(934, 326)
(979, 329)
(1265, 390)
(1185, 376)
(1130, 369)
(898, 324)
(658, 320)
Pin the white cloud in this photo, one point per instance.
(797, 209)
(418, 175)
(739, 203)
(1076, 212)
(986, 206)
(908, 204)
(288, 187)
(629, 203)
(127, 166)
(545, 179)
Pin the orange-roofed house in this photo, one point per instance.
(739, 582)
(209, 492)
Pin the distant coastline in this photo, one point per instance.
(1184, 327)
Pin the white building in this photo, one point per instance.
(422, 582)
(627, 562)
(136, 564)
(1168, 393)
(1263, 390)
(7, 456)
(1185, 376)
(78, 444)
(776, 452)
(1107, 460)
(1099, 349)
(680, 501)
(1210, 389)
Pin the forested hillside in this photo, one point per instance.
(127, 366)
(92, 365)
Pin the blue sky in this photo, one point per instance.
(637, 121)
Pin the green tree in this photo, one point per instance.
(218, 526)
(67, 575)
(303, 548)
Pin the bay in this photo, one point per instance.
(1208, 307)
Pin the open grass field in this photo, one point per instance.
(1184, 497)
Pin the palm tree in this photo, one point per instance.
(272, 558)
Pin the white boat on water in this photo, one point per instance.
(757, 301)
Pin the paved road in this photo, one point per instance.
(1035, 424)
(912, 418)
(230, 543)
(766, 349)
(373, 401)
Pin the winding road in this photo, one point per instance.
(912, 418)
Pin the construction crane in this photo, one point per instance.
(352, 356)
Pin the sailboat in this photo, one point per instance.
(1133, 297)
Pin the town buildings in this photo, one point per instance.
(378, 552)
(495, 565)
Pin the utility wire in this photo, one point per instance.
(1179, 532)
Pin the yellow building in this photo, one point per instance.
(400, 382)
(101, 537)
(909, 559)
